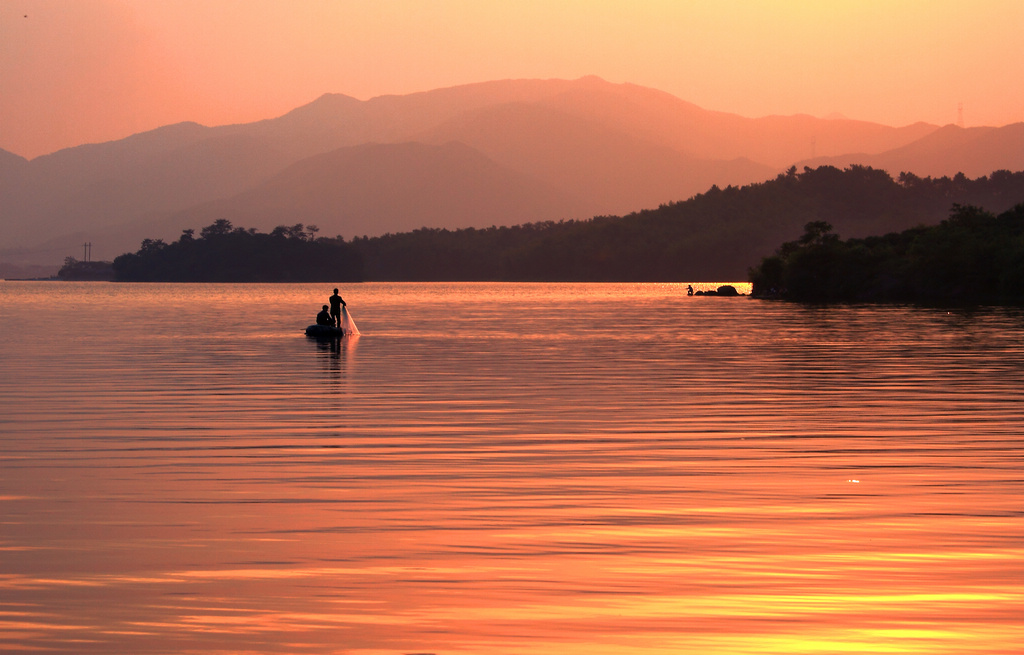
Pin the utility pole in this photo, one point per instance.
(87, 250)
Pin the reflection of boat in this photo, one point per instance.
(325, 331)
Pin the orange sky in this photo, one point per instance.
(79, 71)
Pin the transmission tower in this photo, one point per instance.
(960, 114)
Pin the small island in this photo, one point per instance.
(75, 270)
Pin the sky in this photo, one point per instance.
(86, 71)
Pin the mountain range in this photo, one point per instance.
(494, 153)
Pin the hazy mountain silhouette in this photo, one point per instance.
(153, 173)
(947, 151)
(612, 171)
(777, 141)
(571, 148)
(11, 163)
(380, 188)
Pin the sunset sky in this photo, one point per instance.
(80, 71)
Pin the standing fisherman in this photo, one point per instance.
(336, 304)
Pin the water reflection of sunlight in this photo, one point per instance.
(605, 474)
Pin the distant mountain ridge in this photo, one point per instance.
(531, 150)
(342, 185)
(975, 150)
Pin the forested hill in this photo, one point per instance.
(972, 258)
(714, 236)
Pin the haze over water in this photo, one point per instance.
(505, 468)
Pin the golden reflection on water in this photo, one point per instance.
(506, 469)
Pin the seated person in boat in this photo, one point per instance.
(324, 317)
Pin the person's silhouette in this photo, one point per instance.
(336, 304)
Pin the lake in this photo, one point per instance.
(506, 469)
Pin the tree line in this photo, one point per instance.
(714, 236)
(972, 257)
(224, 253)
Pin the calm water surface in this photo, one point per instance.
(505, 469)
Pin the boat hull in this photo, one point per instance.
(325, 331)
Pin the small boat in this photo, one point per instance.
(348, 328)
(724, 290)
(325, 331)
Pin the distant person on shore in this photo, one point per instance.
(689, 289)
(324, 317)
(336, 304)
